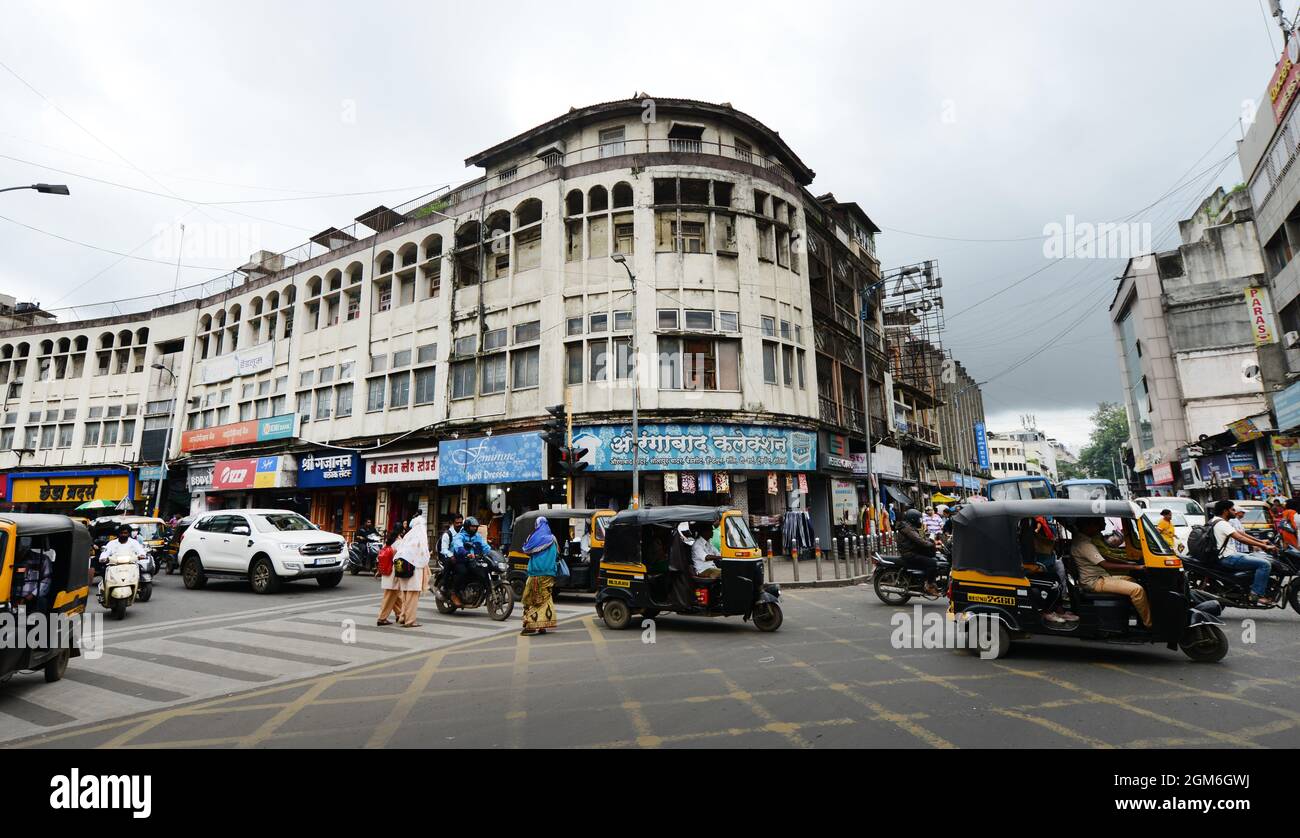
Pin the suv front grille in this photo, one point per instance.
(322, 548)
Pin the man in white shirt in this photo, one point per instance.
(701, 564)
(1224, 533)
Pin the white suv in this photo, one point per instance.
(266, 546)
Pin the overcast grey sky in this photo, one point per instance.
(952, 120)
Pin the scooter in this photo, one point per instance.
(363, 555)
(148, 568)
(1232, 587)
(120, 585)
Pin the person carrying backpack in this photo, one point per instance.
(1224, 533)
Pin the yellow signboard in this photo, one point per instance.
(1261, 315)
(70, 489)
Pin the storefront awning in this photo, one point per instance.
(898, 496)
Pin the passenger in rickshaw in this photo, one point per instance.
(1038, 543)
(1104, 569)
(38, 572)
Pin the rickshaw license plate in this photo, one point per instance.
(991, 599)
(620, 583)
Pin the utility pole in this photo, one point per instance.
(636, 390)
(866, 406)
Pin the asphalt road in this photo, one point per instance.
(829, 678)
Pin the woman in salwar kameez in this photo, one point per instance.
(543, 552)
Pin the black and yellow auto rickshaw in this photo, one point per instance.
(569, 526)
(23, 540)
(994, 574)
(647, 569)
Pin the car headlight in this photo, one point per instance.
(293, 548)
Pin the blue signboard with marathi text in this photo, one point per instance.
(982, 446)
(323, 469)
(699, 448)
(502, 458)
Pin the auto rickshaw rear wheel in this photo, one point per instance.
(767, 616)
(1295, 596)
(616, 614)
(1204, 644)
(56, 667)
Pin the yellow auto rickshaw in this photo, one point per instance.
(647, 568)
(582, 558)
(26, 543)
(995, 575)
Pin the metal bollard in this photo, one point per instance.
(794, 559)
(835, 556)
(857, 554)
(817, 556)
(768, 561)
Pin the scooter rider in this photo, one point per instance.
(467, 545)
(122, 549)
(916, 550)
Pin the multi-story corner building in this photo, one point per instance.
(961, 424)
(407, 361)
(1185, 324)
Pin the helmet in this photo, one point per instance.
(913, 517)
(471, 521)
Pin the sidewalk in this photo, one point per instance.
(833, 574)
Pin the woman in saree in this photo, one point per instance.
(543, 552)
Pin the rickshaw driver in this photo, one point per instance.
(701, 563)
(38, 573)
(1097, 569)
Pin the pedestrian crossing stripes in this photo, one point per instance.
(151, 666)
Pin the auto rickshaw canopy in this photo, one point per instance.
(63, 533)
(523, 525)
(986, 535)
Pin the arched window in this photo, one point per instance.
(354, 273)
(432, 247)
(81, 343)
(205, 325)
(313, 287)
(290, 294)
(7, 353)
(272, 301)
(141, 336)
(597, 199)
(384, 263)
(235, 313)
(255, 307)
(65, 345)
(573, 202)
(622, 194)
(47, 347)
(24, 349)
(408, 254)
(334, 280)
(528, 212)
(123, 338)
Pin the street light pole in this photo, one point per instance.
(167, 444)
(636, 390)
(43, 188)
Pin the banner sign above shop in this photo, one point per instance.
(409, 465)
(253, 473)
(502, 458)
(699, 448)
(885, 461)
(835, 452)
(982, 446)
(70, 486)
(326, 469)
(200, 478)
(239, 433)
(1162, 473)
(1233, 464)
(244, 362)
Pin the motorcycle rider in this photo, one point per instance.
(468, 544)
(367, 530)
(916, 550)
(1225, 532)
(447, 552)
(122, 549)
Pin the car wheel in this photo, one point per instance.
(192, 572)
(262, 576)
(330, 580)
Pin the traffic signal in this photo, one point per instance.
(555, 430)
(557, 491)
(571, 460)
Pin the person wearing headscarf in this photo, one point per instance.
(542, 550)
(415, 549)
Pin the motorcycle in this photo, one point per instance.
(895, 583)
(1232, 587)
(120, 586)
(364, 555)
(497, 594)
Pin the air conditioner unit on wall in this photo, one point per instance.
(1291, 340)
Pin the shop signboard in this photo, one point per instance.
(982, 445)
(1286, 407)
(835, 452)
(1224, 467)
(326, 469)
(705, 447)
(885, 461)
(239, 433)
(844, 502)
(419, 465)
(501, 458)
(1162, 473)
(235, 364)
(253, 473)
(199, 478)
(71, 486)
